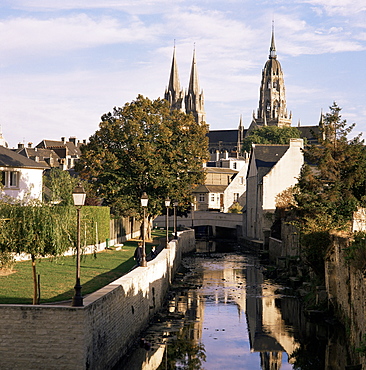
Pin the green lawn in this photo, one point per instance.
(57, 276)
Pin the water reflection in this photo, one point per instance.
(223, 314)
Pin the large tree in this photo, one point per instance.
(331, 185)
(145, 147)
(270, 135)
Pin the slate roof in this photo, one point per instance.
(266, 156)
(210, 189)
(73, 149)
(311, 133)
(9, 158)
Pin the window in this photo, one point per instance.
(10, 179)
(201, 197)
(241, 180)
(236, 197)
(234, 165)
(212, 197)
(13, 179)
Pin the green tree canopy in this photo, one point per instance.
(331, 184)
(145, 147)
(270, 135)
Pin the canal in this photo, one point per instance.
(223, 313)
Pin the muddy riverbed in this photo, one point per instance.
(222, 313)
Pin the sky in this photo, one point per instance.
(65, 63)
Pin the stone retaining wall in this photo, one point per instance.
(94, 336)
(346, 287)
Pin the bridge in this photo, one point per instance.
(215, 224)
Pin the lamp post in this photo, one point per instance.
(144, 201)
(79, 196)
(167, 205)
(175, 204)
(192, 210)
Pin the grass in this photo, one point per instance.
(57, 276)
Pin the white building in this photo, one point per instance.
(272, 169)
(21, 177)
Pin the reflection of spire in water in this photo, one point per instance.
(271, 360)
(267, 330)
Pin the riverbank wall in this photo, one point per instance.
(345, 280)
(98, 334)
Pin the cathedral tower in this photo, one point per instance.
(173, 93)
(194, 100)
(272, 109)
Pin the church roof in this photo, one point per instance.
(9, 158)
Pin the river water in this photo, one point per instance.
(222, 313)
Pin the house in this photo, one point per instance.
(67, 151)
(272, 169)
(47, 157)
(21, 177)
(225, 184)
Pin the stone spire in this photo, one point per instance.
(272, 49)
(173, 93)
(194, 100)
(240, 136)
(272, 109)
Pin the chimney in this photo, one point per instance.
(63, 139)
(20, 145)
(72, 139)
(30, 145)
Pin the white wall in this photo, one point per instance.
(30, 184)
(283, 175)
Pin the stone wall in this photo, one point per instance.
(346, 287)
(94, 336)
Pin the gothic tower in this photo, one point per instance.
(173, 93)
(194, 100)
(272, 109)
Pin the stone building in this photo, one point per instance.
(191, 101)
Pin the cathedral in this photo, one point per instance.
(190, 101)
(271, 111)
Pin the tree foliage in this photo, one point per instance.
(145, 147)
(331, 185)
(36, 229)
(270, 135)
(60, 186)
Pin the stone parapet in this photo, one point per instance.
(97, 335)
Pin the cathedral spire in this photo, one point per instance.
(194, 101)
(272, 49)
(272, 110)
(173, 93)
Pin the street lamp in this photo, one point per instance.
(144, 201)
(78, 195)
(167, 205)
(192, 210)
(175, 204)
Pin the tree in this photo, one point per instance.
(270, 135)
(36, 229)
(145, 147)
(60, 185)
(330, 187)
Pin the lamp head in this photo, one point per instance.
(79, 195)
(144, 200)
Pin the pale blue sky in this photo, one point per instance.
(64, 63)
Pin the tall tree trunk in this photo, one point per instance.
(35, 285)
